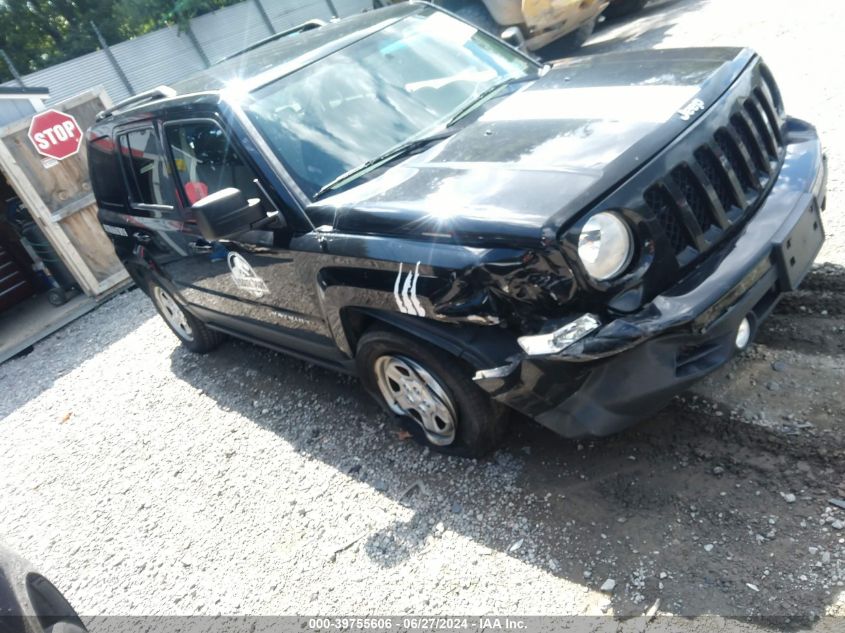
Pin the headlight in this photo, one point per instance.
(605, 245)
(560, 339)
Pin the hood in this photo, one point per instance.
(530, 161)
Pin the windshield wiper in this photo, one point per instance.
(396, 152)
(485, 94)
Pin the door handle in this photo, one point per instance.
(200, 247)
(142, 238)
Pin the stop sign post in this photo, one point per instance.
(55, 134)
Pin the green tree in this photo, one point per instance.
(39, 33)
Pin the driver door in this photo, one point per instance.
(252, 283)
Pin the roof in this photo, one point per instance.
(288, 54)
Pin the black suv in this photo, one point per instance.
(404, 197)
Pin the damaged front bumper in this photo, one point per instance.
(631, 367)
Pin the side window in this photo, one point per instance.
(105, 173)
(206, 162)
(146, 168)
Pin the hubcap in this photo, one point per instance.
(173, 314)
(410, 390)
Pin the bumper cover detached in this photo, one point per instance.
(632, 367)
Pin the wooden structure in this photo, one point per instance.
(59, 198)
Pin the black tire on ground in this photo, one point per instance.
(57, 296)
(481, 422)
(474, 12)
(25, 592)
(193, 334)
(619, 8)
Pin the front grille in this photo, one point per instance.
(721, 181)
(694, 195)
(747, 141)
(659, 202)
(737, 165)
(718, 177)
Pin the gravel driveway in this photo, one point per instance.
(145, 480)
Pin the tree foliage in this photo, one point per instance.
(39, 33)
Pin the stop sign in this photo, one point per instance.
(55, 134)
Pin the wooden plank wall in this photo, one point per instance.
(60, 199)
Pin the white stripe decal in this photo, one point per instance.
(414, 299)
(400, 301)
(406, 293)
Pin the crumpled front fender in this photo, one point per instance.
(520, 291)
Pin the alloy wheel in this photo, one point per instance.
(173, 313)
(410, 390)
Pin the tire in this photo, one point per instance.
(619, 8)
(444, 388)
(575, 40)
(191, 332)
(25, 592)
(57, 296)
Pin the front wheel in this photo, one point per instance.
(431, 392)
(193, 333)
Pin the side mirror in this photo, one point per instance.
(227, 212)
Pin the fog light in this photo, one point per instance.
(743, 334)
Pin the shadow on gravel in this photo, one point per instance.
(55, 359)
(644, 29)
(688, 509)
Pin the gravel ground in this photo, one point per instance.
(248, 482)
(145, 480)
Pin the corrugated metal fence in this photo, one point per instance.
(165, 56)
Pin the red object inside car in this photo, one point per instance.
(196, 191)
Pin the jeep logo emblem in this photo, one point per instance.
(691, 109)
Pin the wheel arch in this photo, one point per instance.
(480, 346)
(140, 272)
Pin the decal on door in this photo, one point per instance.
(115, 230)
(405, 292)
(245, 276)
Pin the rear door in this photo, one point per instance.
(155, 226)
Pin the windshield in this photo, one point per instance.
(402, 83)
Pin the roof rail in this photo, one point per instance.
(310, 25)
(159, 92)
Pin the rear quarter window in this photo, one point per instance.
(104, 170)
(146, 168)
